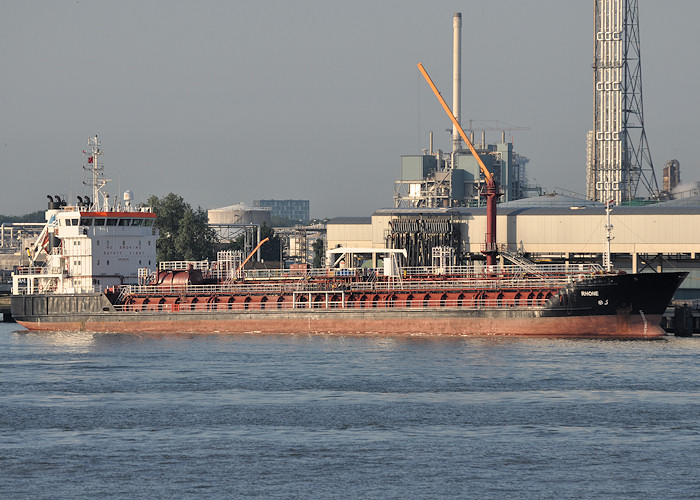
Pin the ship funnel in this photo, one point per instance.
(53, 205)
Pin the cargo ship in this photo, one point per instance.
(94, 268)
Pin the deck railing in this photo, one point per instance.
(259, 288)
(26, 270)
(540, 269)
(332, 301)
(261, 282)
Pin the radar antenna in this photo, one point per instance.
(100, 198)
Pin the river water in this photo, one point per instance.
(86, 415)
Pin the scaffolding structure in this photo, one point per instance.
(419, 236)
(297, 241)
(618, 152)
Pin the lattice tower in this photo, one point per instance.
(618, 158)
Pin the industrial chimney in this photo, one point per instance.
(456, 78)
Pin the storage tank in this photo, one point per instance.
(179, 278)
(239, 214)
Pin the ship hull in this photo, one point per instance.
(622, 306)
(443, 322)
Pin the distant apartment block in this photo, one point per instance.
(296, 210)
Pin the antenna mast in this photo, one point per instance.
(607, 259)
(97, 181)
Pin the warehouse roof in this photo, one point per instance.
(351, 220)
(688, 206)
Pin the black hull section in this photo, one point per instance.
(646, 293)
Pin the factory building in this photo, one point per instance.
(455, 180)
(294, 210)
(657, 237)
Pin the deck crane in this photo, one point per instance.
(492, 189)
(251, 255)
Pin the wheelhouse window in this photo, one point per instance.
(137, 222)
(112, 222)
(124, 222)
(99, 222)
(86, 222)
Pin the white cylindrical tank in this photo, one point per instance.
(239, 214)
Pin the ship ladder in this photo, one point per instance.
(303, 284)
(522, 262)
(124, 292)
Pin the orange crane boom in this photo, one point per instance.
(251, 254)
(492, 191)
(484, 170)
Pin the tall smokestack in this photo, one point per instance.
(456, 78)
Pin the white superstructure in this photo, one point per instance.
(89, 246)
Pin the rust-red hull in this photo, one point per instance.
(443, 322)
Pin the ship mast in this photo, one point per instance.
(100, 199)
(607, 260)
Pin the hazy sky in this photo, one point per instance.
(230, 101)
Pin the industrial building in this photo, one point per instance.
(297, 242)
(455, 180)
(663, 236)
(294, 210)
(14, 239)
